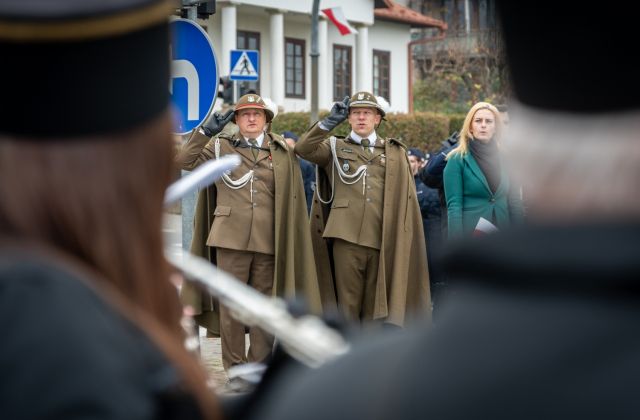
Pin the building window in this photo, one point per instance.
(381, 76)
(248, 41)
(294, 68)
(341, 72)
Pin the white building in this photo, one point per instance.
(375, 59)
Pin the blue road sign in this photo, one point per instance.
(194, 75)
(245, 65)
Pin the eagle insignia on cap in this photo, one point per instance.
(361, 96)
(251, 99)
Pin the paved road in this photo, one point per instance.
(209, 347)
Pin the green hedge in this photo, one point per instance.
(424, 130)
(455, 122)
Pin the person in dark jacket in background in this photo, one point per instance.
(432, 173)
(89, 316)
(429, 202)
(543, 323)
(432, 176)
(307, 168)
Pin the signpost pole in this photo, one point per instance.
(314, 61)
(188, 202)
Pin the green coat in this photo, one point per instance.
(295, 273)
(469, 197)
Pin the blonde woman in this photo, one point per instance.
(476, 183)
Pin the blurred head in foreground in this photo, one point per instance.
(574, 132)
(86, 148)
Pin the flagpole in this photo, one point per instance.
(314, 61)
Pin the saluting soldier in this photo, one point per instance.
(255, 210)
(370, 224)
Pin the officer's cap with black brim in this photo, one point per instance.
(74, 68)
(567, 56)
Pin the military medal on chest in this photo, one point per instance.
(345, 166)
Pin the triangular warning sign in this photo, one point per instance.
(244, 67)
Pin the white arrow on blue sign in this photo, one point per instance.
(245, 65)
(194, 75)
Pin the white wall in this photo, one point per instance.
(384, 36)
(360, 11)
(394, 37)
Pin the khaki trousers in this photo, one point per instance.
(256, 270)
(356, 269)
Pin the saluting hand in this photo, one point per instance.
(339, 112)
(216, 122)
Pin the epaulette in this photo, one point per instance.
(279, 140)
(398, 142)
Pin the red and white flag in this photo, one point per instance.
(484, 227)
(336, 16)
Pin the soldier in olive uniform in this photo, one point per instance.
(373, 225)
(257, 206)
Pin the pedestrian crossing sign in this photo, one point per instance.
(244, 65)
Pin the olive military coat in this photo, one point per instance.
(402, 287)
(294, 273)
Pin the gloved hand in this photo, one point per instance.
(339, 112)
(216, 122)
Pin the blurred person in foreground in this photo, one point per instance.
(477, 184)
(90, 321)
(544, 321)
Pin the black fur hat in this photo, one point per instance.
(569, 56)
(73, 68)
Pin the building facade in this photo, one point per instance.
(375, 59)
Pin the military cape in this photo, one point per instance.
(295, 275)
(402, 288)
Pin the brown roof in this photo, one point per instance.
(397, 13)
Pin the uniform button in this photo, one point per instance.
(493, 200)
(368, 187)
(255, 178)
(254, 205)
(368, 200)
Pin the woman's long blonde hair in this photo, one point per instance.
(465, 132)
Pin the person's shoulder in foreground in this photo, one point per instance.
(67, 354)
(507, 345)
